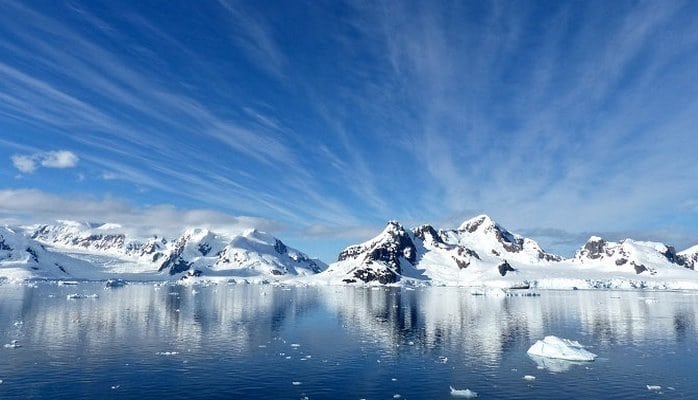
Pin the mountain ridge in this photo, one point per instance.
(479, 252)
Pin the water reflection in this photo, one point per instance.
(183, 316)
(431, 320)
(451, 319)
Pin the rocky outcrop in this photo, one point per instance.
(381, 258)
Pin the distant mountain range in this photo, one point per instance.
(479, 252)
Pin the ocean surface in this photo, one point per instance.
(262, 342)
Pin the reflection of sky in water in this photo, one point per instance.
(368, 342)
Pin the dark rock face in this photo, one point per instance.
(463, 257)
(671, 255)
(548, 257)
(504, 268)
(4, 246)
(381, 259)
(388, 250)
(595, 249)
(639, 268)
(382, 275)
(32, 253)
(472, 226)
(621, 261)
(680, 259)
(280, 247)
(428, 234)
(301, 258)
(689, 262)
(204, 248)
(174, 262)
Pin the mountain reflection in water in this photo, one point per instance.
(344, 342)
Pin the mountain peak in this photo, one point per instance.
(393, 228)
(474, 224)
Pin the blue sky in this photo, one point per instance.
(320, 120)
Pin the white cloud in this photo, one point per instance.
(59, 159)
(28, 206)
(25, 164)
(28, 163)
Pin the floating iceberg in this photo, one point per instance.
(13, 345)
(464, 393)
(562, 349)
(75, 296)
(114, 283)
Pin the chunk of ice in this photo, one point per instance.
(295, 383)
(562, 349)
(654, 388)
(13, 345)
(464, 393)
(529, 378)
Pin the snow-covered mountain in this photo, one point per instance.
(108, 239)
(690, 257)
(480, 252)
(478, 248)
(252, 255)
(628, 254)
(23, 258)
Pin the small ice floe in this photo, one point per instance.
(295, 345)
(194, 291)
(654, 388)
(397, 396)
(0, 381)
(67, 283)
(13, 345)
(167, 353)
(114, 387)
(464, 393)
(394, 379)
(295, 383)
(114, 283)
(18, 323)
(74, 296)
(529, 378)
(443, 359)
(562, 349)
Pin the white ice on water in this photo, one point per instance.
(13, 345)
(562, 349)
(464, 393)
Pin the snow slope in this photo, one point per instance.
(252, 255)
(22, 258)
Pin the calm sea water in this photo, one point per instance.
(261, 342)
